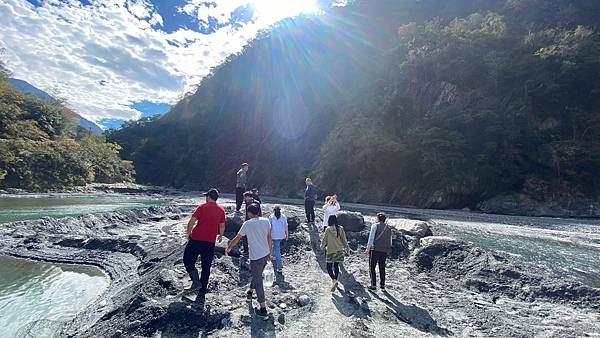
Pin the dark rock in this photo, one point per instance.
(281, 319)
(303, 300)
(234, 223)
(351, 221)
(293, 223)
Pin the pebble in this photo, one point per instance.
(283, 305)
(281, 319)
(304, 300)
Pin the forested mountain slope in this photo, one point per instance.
(408, 102)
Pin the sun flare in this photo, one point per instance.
(275, 10)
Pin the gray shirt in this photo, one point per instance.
(242, 178)
(256, 231)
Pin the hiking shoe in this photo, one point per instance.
(372, 288)
(262, 313)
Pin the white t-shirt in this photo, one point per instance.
(256, 231)
(278, 226)
(330, 210)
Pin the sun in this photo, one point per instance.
(275, 10)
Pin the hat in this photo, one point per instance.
(212, 193)
(277, 208)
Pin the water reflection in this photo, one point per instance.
(32, 291)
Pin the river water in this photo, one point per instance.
(36, 297)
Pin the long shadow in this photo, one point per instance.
(413, 315)
(315, 244)
(259, 327)
(348, 305)
(182, 321)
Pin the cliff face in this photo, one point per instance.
(401, 102)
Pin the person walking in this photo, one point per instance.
(379, 247)
(248, 200)
(330, 208)
(334, 243)
(241, 185)
(258, 232)
(279, 232)
(206, 226)
(310, 197)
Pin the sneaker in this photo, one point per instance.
(249, 294)
(382, 288)
(372, 288)
(261, 313)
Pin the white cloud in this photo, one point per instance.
(106, 56)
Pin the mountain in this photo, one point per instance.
(28, 88)
(406, 102)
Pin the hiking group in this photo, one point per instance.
(262, 237)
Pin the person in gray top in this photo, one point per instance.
(379, 247)
(241, 185)
(310, 196)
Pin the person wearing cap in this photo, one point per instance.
(279, 232)
(206, 226)
(379, 247)
(258, 232)
(241, 186)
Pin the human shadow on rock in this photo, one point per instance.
(280, 281)
(349, 306)
(413, 315)
(258, 327)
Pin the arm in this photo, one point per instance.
(286, 230)
(344, 240)
(232, 244)
(221, 232)
(371, 238)
(191, 224)
(324, 242)
(270, 239)
(337, 206)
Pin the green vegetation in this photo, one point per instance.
(41, 146)
(427, 103)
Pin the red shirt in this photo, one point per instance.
(209, 216)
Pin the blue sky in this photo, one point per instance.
(116, 60)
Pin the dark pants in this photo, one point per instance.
(239, 197)
(309, 208)
(333, 269)
(206, 251)
(377, 258)
(256, 271)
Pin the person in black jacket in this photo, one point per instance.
(241, 185)
(310, 196)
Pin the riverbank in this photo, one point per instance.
(436, 285)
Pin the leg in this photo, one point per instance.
(372, 262)
(312, 211)
(307, 210)
(246, 252)
(256, 270)
(206, 258)
(239, 198)
(330, 271)
(277, 253)
(190, 256)
(336, 270)
(382, 259)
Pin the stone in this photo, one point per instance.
(234, 222)
(281, 319)
(303, 300)
(351, 221)
(282, 305)
(419, 230)
(293, 223)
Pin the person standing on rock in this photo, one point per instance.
(258, 232)
(330, 208)
(206, 226)
(334, 243)
(379, 247)
(241, 185)
(310, 197)
(279, 232)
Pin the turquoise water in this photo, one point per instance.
(44, 295)
(28, 207)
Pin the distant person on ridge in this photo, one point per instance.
(378, 248)
(241, 185)
(279, 232)
(258, 232)
(310, 197)
(206, 226)
(334, 242)
(255, 195)
(330, 208)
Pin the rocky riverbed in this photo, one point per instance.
(436, 285)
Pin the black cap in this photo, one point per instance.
(213, 194)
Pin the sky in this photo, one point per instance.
(115, 60)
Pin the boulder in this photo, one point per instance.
(293, 223)
(234, 223)
(351, 221)
(419, 230)
(220, 248)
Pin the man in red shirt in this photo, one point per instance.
(206, 226)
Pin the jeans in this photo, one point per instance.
(333, 269)
(377, 258)
(277, 253)
(256, 271)
(309, 208)
(239, 197)
(206, 251)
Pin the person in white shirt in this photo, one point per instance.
(279, 232)
(258, 231)
(330, 208)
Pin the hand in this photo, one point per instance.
(269, 258)
(227, 251)
(219, 238)
(367, 251)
